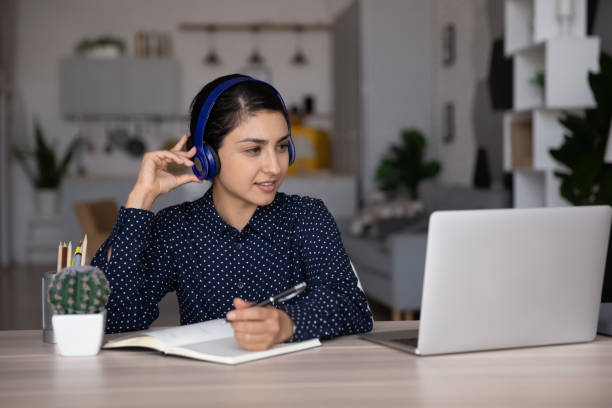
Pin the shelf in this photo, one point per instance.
(508, 120)
(529, 189)
(537, 189)
(518, 27)
(565, 63)
(256, 26)
(92, 87)
(529, 22)
(533, 133)
(547, 38)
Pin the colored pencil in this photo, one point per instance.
(84, 251)
(59, 257)
(69, 259)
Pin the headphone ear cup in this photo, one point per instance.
(199, 167)
(291, 151)
(216, 159)
(211, 162)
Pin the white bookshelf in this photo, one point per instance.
(530, 22)
(565, 62)
(540, 40)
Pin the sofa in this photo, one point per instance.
(391, 268)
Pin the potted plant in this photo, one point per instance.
(48, 170)
(586, 178)
(78, 296)
(101, 47)
(403, 168)
(396, 205)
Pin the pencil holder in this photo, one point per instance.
(48, 336)
(78, 296)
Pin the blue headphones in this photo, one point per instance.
(206, 160)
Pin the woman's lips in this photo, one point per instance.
(267, 186)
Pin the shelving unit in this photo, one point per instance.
(128, 86)
(543, 39)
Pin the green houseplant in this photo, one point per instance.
(588, 179)
(403, 167)
(78, 296)
(48, 171)
(102, 46)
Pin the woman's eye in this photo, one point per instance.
(253, 150)
(283, 147)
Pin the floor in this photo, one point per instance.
(20, 300)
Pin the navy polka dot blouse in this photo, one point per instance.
(190, 249)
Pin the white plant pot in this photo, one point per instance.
(47, 202)
(79, 334)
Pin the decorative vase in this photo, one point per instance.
(47, 202)
(79, 334)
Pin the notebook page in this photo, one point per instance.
(228, 351)
(193, 333)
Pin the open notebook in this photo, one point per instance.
(211, 341)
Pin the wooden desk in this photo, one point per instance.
(344, 372)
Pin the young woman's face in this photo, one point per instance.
(254, 159)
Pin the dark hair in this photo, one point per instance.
(232, 107)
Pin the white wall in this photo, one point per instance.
(457, 84)
(396, 76)
(48, 30)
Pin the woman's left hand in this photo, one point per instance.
(259, 328)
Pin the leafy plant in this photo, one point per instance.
(589, 179)
(538, 80)
(87, 44)
(403, 166)
(48, 172)
(79, 289)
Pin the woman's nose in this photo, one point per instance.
(272, 164)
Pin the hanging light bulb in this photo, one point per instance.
(256, 67)
(211, 58)
(299, 58)
(256, 58)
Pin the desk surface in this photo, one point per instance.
(346, 371)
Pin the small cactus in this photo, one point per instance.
(79, 290)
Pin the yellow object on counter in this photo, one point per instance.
(312, 149)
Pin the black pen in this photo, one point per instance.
(281, 297)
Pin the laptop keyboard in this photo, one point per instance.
(407, 342)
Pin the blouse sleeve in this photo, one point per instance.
(140, 271)
(334, 303)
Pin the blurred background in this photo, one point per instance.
(399, 108)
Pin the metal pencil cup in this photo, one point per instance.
(47, 311)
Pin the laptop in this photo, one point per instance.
(507, 278)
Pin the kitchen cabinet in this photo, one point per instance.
(126, 86)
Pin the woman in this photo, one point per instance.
(242, 241)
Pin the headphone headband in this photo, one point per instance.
(202, 152)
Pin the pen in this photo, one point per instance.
(281, 297)
(76, 259)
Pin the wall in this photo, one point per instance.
(48, 30)
(464, 84)
(7, 22)
(396, 76)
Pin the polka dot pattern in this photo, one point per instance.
(190, 249)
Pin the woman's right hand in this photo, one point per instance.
(154, 179)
